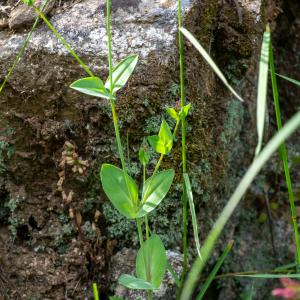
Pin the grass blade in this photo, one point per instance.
(284, 156)
(271, 276)
(22, 50)
(193, 213)
(241, 189)
(173, 273)
(214, 271)
(209, 60)
(294, 81)
(262, 89)
(95, 291)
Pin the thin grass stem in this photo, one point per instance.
(284, 157)
(22, 50)
(234, 200)
(95, 291)
(214, 271)
(63, 41)
(183, 142)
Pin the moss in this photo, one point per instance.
(174, 89)
(62, 238)
(6, 149)
(233, 123)
(152, 124)
(88, 231)
(13, 219)
(118, 227)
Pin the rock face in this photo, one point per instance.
(123, 262)
(39, 113)
(23, 15)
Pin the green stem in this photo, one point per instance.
(141, 239)
(183, 143)
(152, 177)
(110, 64)
(117, 132)
(22, 50)
(284, 157)
(113, 107)
(146, 217)
(63, 41)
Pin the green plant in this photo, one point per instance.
(261, 158)
(284, 156)
(135, 203)
(214, 271)
(120, 187)
(95, 291)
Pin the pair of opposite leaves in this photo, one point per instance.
(120, 188)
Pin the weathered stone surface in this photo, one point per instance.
(23, 15)
(123, 262)
(42, 112)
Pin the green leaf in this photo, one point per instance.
(144, 155)
(214, 271)
(95, 291)
(173, 113)
(234, 200)
(92, 86)
(154, 254)
(163, 142)
(122, 72)
(29, 2)
(165, 135)
(122, 194)
(262, 89)
(184, 111)
(154, 191)
(294, 81)
(115, 298)
(209, 60)
(134, 283)
(193, 213)
(156, 144)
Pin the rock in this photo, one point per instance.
(23, 15)
(123, 262)
(43, 112)
(3, 23)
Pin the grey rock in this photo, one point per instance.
(123, 262)
(23, 15)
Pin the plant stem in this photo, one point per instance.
(284, 157)
(158, 164)
(152, 177)
(183, 143)
(110, 64)
(141, 239)
(22, 50)
(117, 132)
(214, 271)
(146, 217)
(63, 41)
(95, 291)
